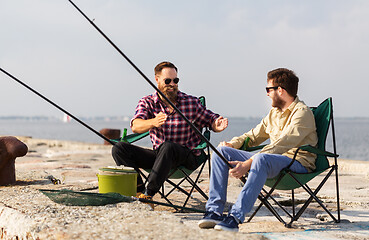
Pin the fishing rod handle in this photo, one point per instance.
(243, 179)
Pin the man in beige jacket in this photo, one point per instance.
(289, 124)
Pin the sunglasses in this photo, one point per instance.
(268, 88)
(168, 80)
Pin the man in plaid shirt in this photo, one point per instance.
(172, 138)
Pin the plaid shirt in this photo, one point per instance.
(175, 128)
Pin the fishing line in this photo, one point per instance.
(161, 94)
(55, 105)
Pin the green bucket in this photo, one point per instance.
(118, 180)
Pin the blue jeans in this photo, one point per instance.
(263, 166)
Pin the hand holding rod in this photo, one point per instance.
(161, 94)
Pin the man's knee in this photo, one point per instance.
(118, 148)
(119, 152)
(260, 160)
(167, 144)
(223, 151)
(167, 147)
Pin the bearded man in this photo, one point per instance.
(289, 124)
(172, 138)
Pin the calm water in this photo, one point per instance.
(352, 135)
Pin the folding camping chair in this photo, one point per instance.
(288, 180)
(181, 172)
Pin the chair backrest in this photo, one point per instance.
(206, 130)
(323, 116)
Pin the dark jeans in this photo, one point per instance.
(168, 156)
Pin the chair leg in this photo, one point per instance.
(276, 202)
(264, 201)
(313, 196)
(336, 168)
(208, 159)
(168, 201)
(293, 203)
(194, 185)
(338, 196)
(175, 186)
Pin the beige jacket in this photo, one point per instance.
(287, 130)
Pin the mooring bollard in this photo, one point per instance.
(10, 149)
(110, 133)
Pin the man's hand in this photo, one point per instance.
(225, 144)
(240, 168)
(159, 119)
(141, 125)
(219, 124)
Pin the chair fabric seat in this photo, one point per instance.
(288, 183)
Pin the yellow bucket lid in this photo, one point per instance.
(116, 170)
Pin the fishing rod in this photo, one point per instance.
(152, 85)
(61, 109)
(55, 105)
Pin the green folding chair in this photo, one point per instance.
(181, 174)
(288, 180)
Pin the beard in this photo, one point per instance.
(278, 102)
(171, 95)
(170, 92)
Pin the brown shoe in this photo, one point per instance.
(138, 194)
(147, 197)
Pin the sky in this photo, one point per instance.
(223, 50)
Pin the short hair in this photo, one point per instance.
(285, 79)
(162, 65)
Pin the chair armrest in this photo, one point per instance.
(201, 146)
(316, 150)
(245, 146)
(131, 138)
(311, 149)
(251, 149)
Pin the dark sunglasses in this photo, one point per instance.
(268, 88)
(168, 80)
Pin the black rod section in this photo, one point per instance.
(52, 103)
(165, 97)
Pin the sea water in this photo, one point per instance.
(352, 134)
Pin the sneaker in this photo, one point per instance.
(209, 220)
(146, 197)
(229, 223)
(138, 194)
